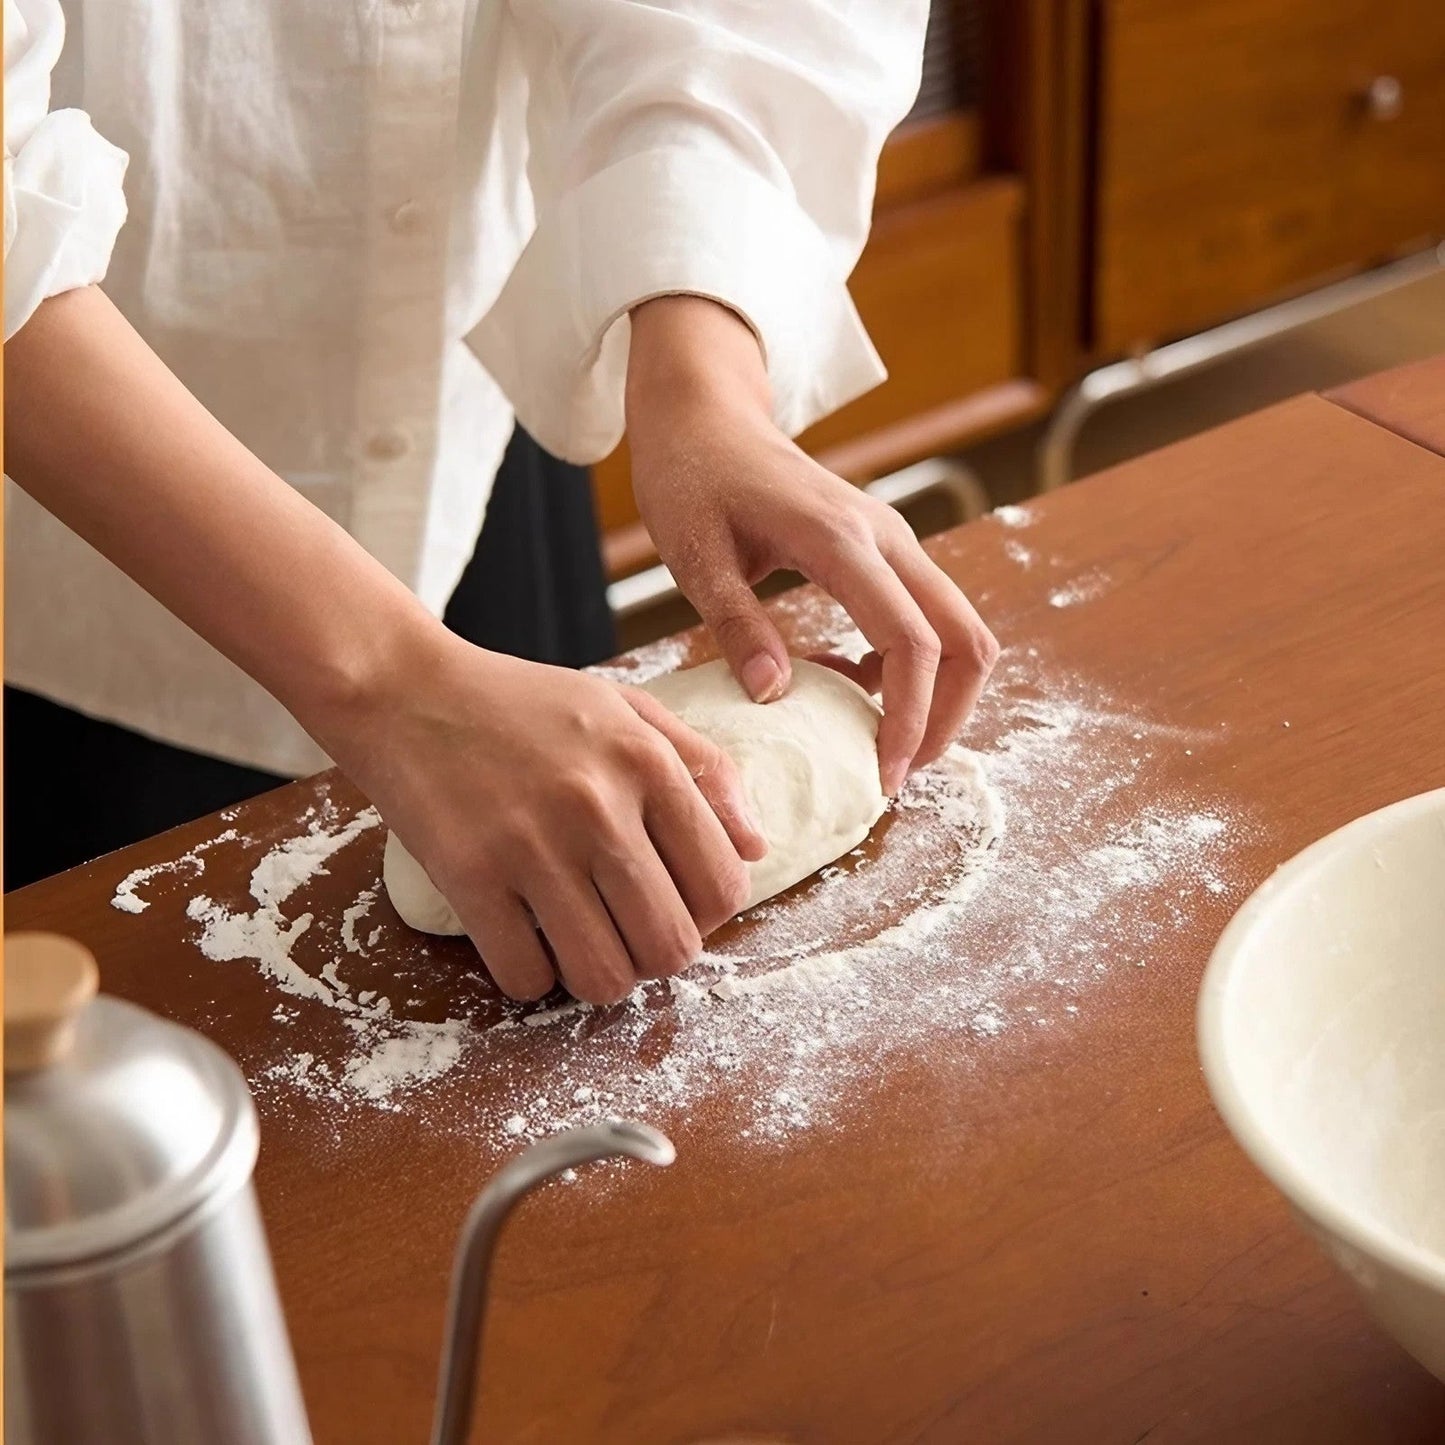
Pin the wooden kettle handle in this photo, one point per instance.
(48, 982)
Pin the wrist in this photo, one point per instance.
(374, 662)
(689, 352)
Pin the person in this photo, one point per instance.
(366, 241)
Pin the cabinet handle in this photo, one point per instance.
(1384, 97)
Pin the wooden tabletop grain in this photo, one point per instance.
(1036, 1234)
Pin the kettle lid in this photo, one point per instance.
(117, 1123)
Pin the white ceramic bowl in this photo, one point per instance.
(1322, 1031)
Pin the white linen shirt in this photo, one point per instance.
(364, 235)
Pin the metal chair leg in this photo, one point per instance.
(1179, 358)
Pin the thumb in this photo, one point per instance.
(746, 636)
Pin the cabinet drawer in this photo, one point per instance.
(1239, 155)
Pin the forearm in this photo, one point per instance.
(101, 433)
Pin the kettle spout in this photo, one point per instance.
(612, 1139)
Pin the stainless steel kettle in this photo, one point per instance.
(140, 1305)
(139, 1299)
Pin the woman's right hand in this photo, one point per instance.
(538, 798)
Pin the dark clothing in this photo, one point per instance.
(76, 787)
(535, 586)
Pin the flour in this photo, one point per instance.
(352, 916)
(642, 665)
(1004, 883)
(1091, 585)
(825, 971)
(127, 900)
(1017, 552)
(411, 1054)
(285, 868)
(1013, 516)
(263, 934)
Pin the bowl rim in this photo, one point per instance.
(1371, 1238)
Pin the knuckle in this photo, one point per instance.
(893, 527)
(854, 530)
(714, 765)
(985, 648)
(921, 645)
(970, 641)
(650, 755)
(676, 951)
(514, 831)
(730, 887)
(586, 797)
(734, 629)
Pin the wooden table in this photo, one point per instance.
(1407, 399)
(1039, 1236)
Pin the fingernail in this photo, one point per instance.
(762, 677)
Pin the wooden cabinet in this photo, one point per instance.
(1246, 148)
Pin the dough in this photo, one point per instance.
(809, 766)
(413, 894)
(809, 762)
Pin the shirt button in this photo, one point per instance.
(388, 446)
(407, 219)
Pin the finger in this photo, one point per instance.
(713, 773)
(646, 908)
(866, 671)
(746, 635)
(969, 650)
(590, 956)
(865, 583)
(696, 850)
(505, 936)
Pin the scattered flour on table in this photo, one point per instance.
(264, 934)
(1017, 552)
(665, 655)
(127, 900)
(1010, 878)
(1081, 589)
(352, 916)
(1012, 516)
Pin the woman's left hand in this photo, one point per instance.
(729, 499)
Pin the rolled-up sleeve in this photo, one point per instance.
(718, 148)
(64, 202)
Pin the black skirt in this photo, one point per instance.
(76, 788)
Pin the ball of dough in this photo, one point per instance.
(413, 894)
(808, 763)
